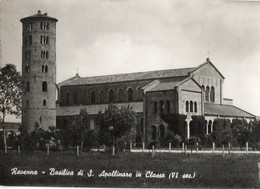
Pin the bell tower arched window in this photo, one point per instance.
(44, 86)
(27, 86)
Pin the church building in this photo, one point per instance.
(189, 91)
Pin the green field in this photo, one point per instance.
(209, 170)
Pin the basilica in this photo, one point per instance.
(189, 91)
(195, 91)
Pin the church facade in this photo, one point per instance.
(189, 91)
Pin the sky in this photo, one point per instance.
(101, 37)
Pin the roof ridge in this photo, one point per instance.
(156, 74)
(139, 72)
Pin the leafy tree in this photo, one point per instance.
(222, 133)
(90, 140)
(197, 126)
(115, 123)
(255, 134)
(240, 131)
(10, 93)
(84, 124)
(176, 123)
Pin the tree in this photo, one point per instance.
(84, 124)
(255, 135)
(198, 126)
(240, 131)
(176, 123)
(115, 123)
(10, 93)
(222, 131)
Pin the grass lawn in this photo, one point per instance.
(208, 170)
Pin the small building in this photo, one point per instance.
(10, 127)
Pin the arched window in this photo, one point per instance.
(168, 106)
(207, 94)
(155, 107)
(203, 92)
(212, 94)
(191, 106)
(27, 86)
(27, 68)
(162, 131)
(142, 125)
(30, 40)
(130, 94)
(102, 96)
(44, 102)
(153, 133)
(161, 106)
(42, 68)
(195, 107)
(67, 98)
(139, 93)
(27, 102)
(92, 97)
(209, 127)
(84, 98)
(76, 101)
(46, 69)
(187, 106)
(111, 96)
(120, 95)
(44, 86)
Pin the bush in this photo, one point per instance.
(197, 126)
(222, 133)
(153, 143)
(174, 139)
(208, 141)
(176, 123)
(91, 141)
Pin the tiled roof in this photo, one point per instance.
(127, 77)
(225, 110)
(169, 85)
(10, 125)
(94, 109)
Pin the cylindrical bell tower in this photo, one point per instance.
(39, 72)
